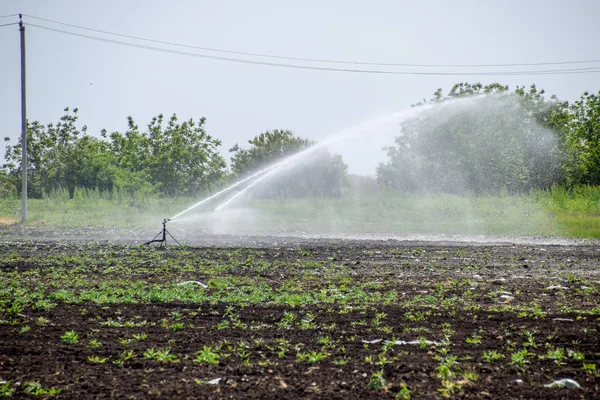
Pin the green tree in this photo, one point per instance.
(179, 158)
(483, 144)
(266, 148)
(184, 159)
(7, 186)
(317, 173)
(581, 128)
(50, 153)
(176, 158)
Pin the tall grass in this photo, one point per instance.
(95, 208)
(393, 213)
(576, 210)
(560, 211)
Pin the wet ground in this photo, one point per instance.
(199, 237)
(88, 313)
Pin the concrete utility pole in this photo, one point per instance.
(23, 123)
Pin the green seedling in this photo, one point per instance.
(97, 360)
(491, 356)
(70, 337)
(207, 356)
(377, 381)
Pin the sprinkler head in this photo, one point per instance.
(166, 220)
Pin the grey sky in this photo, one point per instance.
(109, 82)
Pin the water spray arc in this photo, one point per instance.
(228, 188)
(369, 127)
(246, 189)
(164, 232)
(270, 172)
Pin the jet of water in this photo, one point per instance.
(228, 188)
(369, 126)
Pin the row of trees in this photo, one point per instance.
(476, 139)
(169, 157)
(487, 139)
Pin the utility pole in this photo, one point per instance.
(23, 124)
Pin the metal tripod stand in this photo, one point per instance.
(163, 235)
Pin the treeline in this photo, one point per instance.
(494, 140)
(488, 140)
(168, 157)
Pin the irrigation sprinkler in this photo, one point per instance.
(162, 234)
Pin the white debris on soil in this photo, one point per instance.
(564, 383)
(372, 341)
(557, 287)
(562, 320)
(401, 342)
(193, 282)
(519, 381)
(215, 381)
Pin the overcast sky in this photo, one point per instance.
(108, 82)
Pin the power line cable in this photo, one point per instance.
(8, 16)
(309, 67)
(311, 59)
(12, 23)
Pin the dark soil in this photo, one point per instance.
(504, 298)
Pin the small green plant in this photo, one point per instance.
(557, 355)
(97, 360)
(24, 329)
(423, 343)
(178, 326)
(445, 369)
(94, 343)
(491, 356)
(165, 356)
(529, 341)
(341, 361)
(449, 388)
(224, 324)
(139, 336)
(575, 355)
(469, 375)
(378, 318)
(590, 368)
(125, 341)
(308, 322)
(127, 355)
(405, 393)
(6, 390)
(519, 358)
(35, 388)
(70, 337)
(206, 356)
(388, 345)
(377, 381)
(311, 357)
(32, 387)
(41, 321)
(475, 339)
(414, 317)
(444, 372)
(176, 315)
(383, 360)
(149, 354)
(288, 320)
